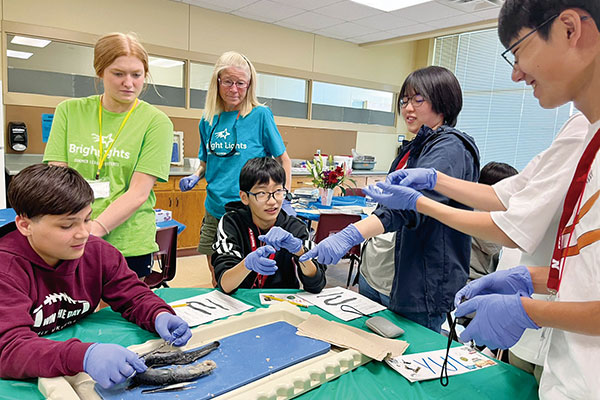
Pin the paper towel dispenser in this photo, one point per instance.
(17, 136)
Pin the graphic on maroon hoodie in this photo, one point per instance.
(58, 310)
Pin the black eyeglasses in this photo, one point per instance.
(508, 54)
(223, 135)
(416, 100)
(263, 197)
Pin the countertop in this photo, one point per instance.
(14, 163)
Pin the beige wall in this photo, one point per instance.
(174, 26)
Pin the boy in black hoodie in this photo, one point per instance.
(257, 244)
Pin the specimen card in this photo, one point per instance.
(208, 307)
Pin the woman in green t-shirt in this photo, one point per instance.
(121, 145)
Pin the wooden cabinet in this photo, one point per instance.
(360, 180)
(187, 208)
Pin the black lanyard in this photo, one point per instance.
(233, 132)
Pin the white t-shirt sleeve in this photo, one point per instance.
(534, 196)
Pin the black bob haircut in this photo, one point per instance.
(439, 86)
(493, 172)
(518, 14)
(260, 171)
(42, 189)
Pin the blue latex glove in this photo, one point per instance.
(172, 329)
(287, 207)
(111, 364)
(332, 249)
(415, 178)
(259, 262)
(188, 182)
(510, 281)
(280, 238)
(393, 197)
(499, 322)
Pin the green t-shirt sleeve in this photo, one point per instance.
(155, 155)
(56, 148)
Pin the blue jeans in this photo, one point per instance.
(366, 290)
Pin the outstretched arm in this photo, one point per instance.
(475, 195)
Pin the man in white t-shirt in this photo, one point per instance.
(554, 46)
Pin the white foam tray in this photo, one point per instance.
(285, 384)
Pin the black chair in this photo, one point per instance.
(166, 256)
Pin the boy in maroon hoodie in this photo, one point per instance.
(54, 273)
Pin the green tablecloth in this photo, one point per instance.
(374, 380)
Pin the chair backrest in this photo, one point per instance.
(354, 192)
(330, 224)
(167, 253)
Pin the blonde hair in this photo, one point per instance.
(114, 45)
(214, 103)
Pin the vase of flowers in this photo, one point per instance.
(326, 176)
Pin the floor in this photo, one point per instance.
(192, 271)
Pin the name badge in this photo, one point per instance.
(101, 188)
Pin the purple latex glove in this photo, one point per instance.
(510, 281)
(415, 178)
(172, 329)
(287, 207)
(499, 322)
(259, 261)
(188, 182)
(332, 249)
(280, 238)
(111, 364)
(393, 197)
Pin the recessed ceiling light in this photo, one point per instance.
(18, 54)
(164, 62)
(390, 5)
(27, 41)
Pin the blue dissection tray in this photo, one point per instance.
(242, 358)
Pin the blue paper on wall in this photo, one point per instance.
(46, 125)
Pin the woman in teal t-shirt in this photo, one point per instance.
(234, 128)
(121, 145)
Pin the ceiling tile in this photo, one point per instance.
(267, 11)
(426, 12)
(345, 30)
(454, 21)
(307, 4)
(348, 11)
(371, 37)
(492, 13)
(221, 5)
(411, 30)
(309, 20)
(384, 21)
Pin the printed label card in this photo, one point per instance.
(343, 303)
(428, 365)
(208, 307)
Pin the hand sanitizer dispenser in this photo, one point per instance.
(17, 136)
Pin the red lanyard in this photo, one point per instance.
(573, 198)
(403, 161)
(259, 281)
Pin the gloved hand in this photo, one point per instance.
(287, 207)
(111, 364)
(393, 197)
(510, 281)
(259, 262)
(499, 322)
(332, 249)
(415, 178)
(188, 182)
(172, 329)
(280, 238)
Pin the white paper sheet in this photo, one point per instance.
(208, 307)
(336, 300)
(428, 365)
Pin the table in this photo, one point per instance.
(338, 202)
(374, 380)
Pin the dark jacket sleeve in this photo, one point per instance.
(23, 354)
(228, 248)
(447, 155)
(126, 294)
(315, 283)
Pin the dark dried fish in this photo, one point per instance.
(178, 357)
(169, 376)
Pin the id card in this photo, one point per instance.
(100, 187)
